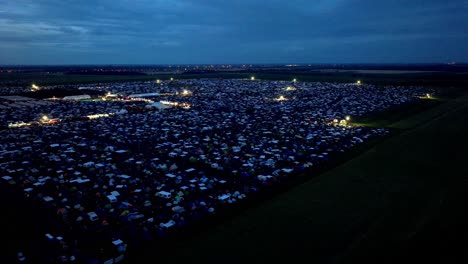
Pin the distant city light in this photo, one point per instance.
(358, 82)
(45, 118)
(289, 88)
(158, 81)
(172, 78)
(294, 80)
(252, 78)
(186, 92)
(348, 118)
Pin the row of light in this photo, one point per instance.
(183, 105)
(342, 122)
(158, 81)
(253, 79)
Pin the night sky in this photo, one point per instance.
(232, 31)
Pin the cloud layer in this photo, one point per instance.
(241, 31)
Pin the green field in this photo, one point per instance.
(371, 208)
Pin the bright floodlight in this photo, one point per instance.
(252, 78)
(348, 118)
(35, 87)
(281, 98)
(45, 118)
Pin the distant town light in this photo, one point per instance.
(252, 78)
(185, 92)
(358, 82)
(348, 118)
(294, 80)
(172, 78)
(428, 95)
(45, 118)
(158, 81)
(289, 88)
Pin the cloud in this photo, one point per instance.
(213, 31)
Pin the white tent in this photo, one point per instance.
(157, 105)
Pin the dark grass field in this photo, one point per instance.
(403, 199)
(436, 79)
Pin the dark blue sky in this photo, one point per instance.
(232, 31)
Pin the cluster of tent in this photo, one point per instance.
(149, 174)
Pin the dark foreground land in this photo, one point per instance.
(403, 199)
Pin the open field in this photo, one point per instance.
(438, 79)
(374, 207)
